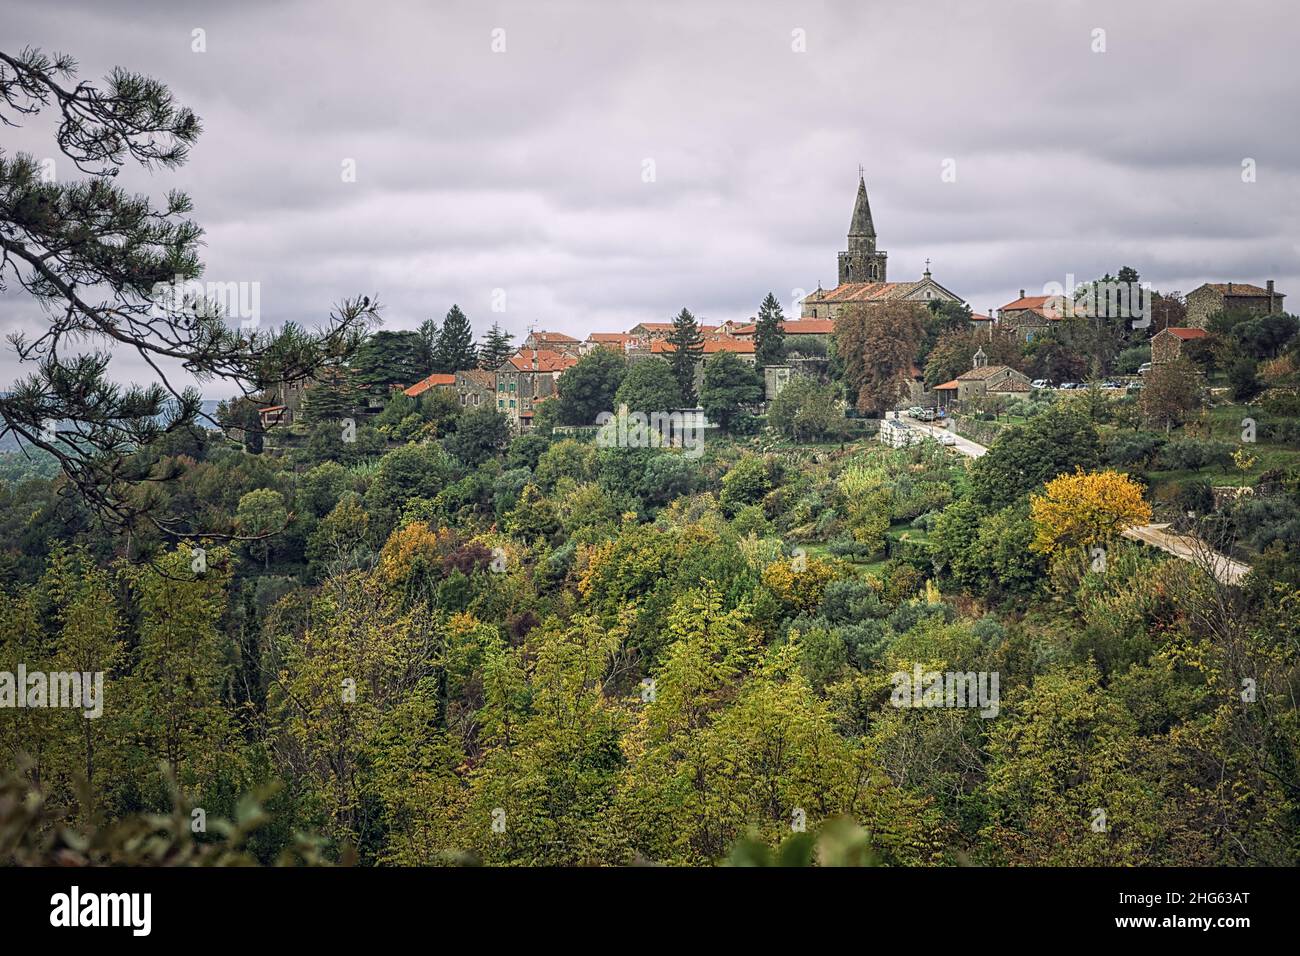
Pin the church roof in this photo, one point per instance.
(874, 291)
(858, 292)
(861, 224)
(1012, 385)
(981, 372)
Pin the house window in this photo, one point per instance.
(512, 403)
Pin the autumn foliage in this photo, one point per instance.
(1086, 508)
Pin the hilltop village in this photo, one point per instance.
(1109, 332)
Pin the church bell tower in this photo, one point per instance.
(861, 262)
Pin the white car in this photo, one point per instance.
(947, 438)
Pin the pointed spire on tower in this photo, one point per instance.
(861, 224)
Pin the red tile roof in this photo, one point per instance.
(976, 317)
(794, 327)
(612, 337)
(1034, 302)
(1185, 333)
(711, 346)
(668, 327)
(433, 381)
(856, 292)
(948, 386)
(552, 337)
(547, 360)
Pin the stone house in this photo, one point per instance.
(655, 331)
(803, 337)
(614, 341)
(475, 387)
(1214, 297)
(554, 342)
(1167, 344)
(528, 377)
(1031, 315)
(982, 379)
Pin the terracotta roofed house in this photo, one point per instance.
(1167, 344)
(436, 380)
(1029, 315)
(614, 341)
(554, 341)
(529, 376)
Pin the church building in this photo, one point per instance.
(862, 273)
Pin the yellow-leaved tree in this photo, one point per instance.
(1086, 508)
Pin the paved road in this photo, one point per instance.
(1190, 548)
(964, 445)
(1185, 547)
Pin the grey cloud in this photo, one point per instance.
(522, 170)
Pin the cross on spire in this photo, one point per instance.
(860, 171)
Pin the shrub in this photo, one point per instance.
(1192, 454)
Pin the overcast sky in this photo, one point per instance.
(525, 170)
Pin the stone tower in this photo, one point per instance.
(861, 262)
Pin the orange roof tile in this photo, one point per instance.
(668, 327)
(1033, 303)
(547, 360)
(1185, 333)
(856, 292)
(711, 346)
(433, 381)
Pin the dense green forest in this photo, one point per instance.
(569, 654)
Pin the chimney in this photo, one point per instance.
(534, 360)
(1022, 293)
(1269, 286)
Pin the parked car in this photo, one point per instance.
(1040, 383)
(915, 411)
(947, 438)
(1144, 368)
(927, 415)
(1067, 386)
